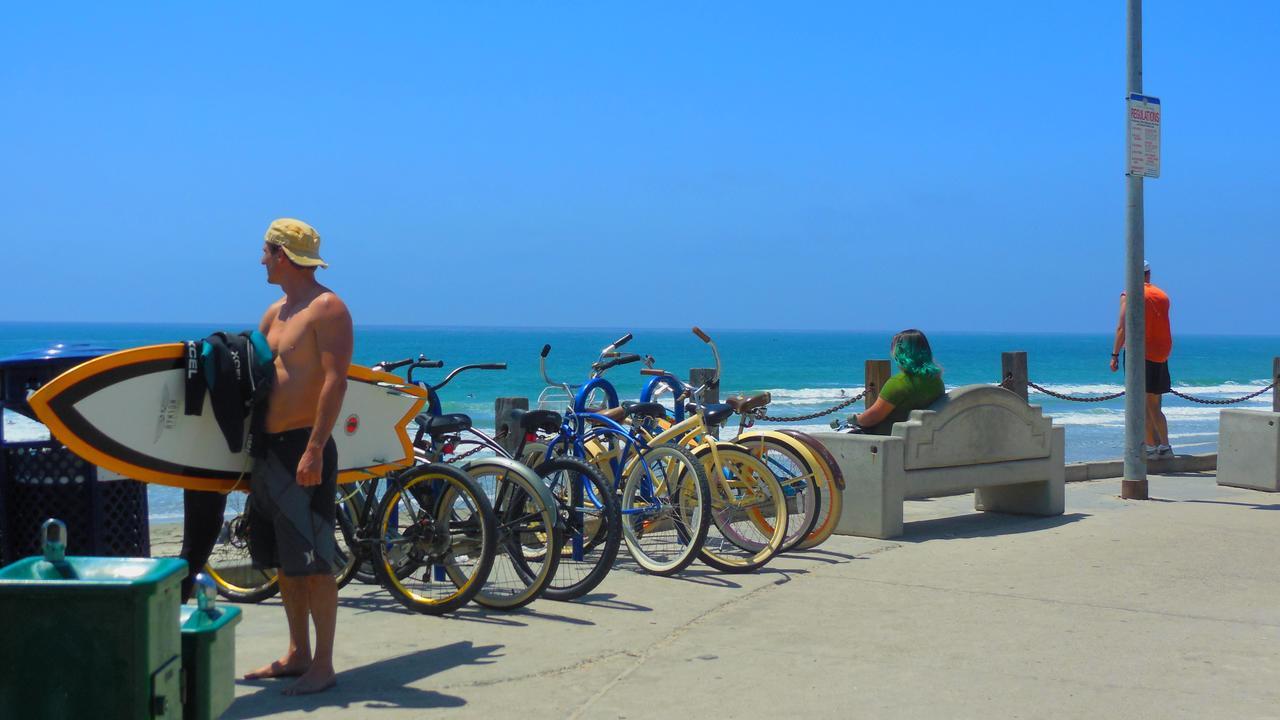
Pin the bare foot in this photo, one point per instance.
(279, 669)
(313, 681)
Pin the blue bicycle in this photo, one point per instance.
(664, 493)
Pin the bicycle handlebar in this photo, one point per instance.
(620, 359)
(701, 335)
(456, 371)
(420, 361)
(652, 371)
(388, 366)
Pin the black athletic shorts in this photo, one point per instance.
(1158, 382)
(290, 526)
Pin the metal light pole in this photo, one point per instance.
(1134, 485)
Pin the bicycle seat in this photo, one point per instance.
(645, 409)
(534, 420)
(713, 413)
(744, 405)
(616, 414)
(443, 424)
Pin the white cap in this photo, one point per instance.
(1146, 266)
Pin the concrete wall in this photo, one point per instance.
(1103, 469)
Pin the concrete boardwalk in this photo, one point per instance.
(1159, 609)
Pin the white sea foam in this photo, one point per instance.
(18, 428)
(1188, 435)
(810, 396)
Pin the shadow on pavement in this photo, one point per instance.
(609, 601)
(534, 612)
(981, 524)
(784, 574)
(374, 602)
(712, 578)
(383, 684)
(1255, 506)
(823, 556)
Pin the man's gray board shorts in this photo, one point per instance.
(290, 526)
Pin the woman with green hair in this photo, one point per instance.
(917, 385)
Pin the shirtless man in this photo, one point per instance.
(293, 483)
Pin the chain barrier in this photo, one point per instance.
(1228, 401)
(1113, 396)
(1075, 398)
(811, 416)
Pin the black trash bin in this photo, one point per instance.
(106, 515)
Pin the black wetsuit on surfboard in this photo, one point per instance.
(237, 375)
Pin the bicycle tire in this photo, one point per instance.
(832, 490)
(230, 576)
(446, 521)
(800, 473)
(748, 511)
(529, 536)
(665, 509)
(230, 566)
(346, 515)
(592, 526)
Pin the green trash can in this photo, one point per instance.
(208, 655)
(90, 637)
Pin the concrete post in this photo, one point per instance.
(1013, 372)
(698, 376)
(1275, 391)
(502, 408)
(875, 373)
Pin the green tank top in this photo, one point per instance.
(906, 393)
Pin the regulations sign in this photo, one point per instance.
(1144, 136)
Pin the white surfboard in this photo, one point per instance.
(126, 412)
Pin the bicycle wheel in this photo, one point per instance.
(797, 470)
(748, 510)
(528, 527)
(435, 538)
(665, 509)
(346, 519)
(831, 485)
(230, 566)
(593, 526)
(355, 497)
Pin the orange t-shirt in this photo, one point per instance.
(1159, 339)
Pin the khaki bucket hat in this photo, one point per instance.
(299, 241)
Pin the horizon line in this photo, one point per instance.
(615, 328)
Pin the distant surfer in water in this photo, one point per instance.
(292, 501)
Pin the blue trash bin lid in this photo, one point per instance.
(59, 352)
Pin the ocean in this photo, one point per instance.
(805, 371)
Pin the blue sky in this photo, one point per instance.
(953, 166)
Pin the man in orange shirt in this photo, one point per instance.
(1159, 343)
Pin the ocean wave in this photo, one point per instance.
(1115, 416)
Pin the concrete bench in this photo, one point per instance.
(1249, 449)
(979, 438)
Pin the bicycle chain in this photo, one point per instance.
(476, 449)
(812, 416)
